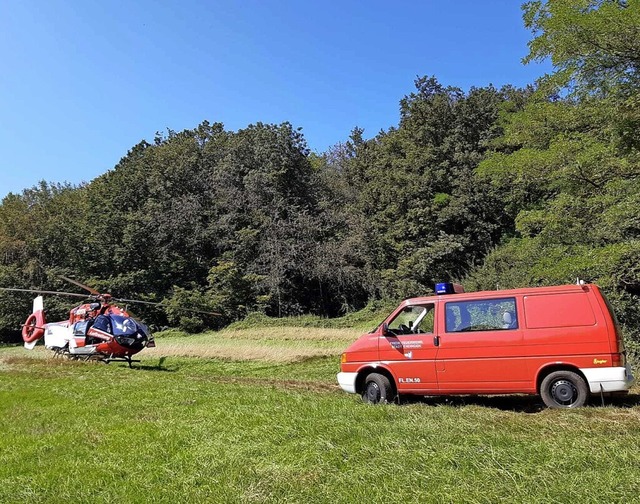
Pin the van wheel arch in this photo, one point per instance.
(361, 379)
(547, 370)
(582, 389)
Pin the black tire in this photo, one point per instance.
(377, 389)
(564, 389)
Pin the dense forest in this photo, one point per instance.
(490, 187)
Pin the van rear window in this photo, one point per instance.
(558, 310)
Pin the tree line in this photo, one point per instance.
(492, 187)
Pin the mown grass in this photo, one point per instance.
(179, 429)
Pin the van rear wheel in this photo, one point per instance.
(564, 389)
(377, 389)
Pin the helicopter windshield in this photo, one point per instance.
(125, 330)
(118, 325)
(123, 326)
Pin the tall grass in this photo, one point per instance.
(272, 339)
(270, 344)
(363, 320)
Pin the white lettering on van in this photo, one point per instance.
(409, 380)
(406, 345)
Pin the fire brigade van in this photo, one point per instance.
(561, 342)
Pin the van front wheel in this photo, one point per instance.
(564, 389)
(377, 389)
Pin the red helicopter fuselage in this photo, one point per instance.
(98, 330)
(110, 328)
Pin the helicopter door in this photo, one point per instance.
(80, 329)
(58, 335)
(80, 332)
(103, 323)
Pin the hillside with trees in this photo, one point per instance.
(492, 187)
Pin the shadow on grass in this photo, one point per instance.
(146, 367)
(619, 401)
(516, 403)
(158, 367)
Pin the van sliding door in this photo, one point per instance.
(480, 347)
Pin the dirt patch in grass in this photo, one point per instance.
(309, 386)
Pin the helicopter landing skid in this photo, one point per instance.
(127, 359)
(62, 352)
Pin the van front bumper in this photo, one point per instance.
(347, 381)
(610, 379)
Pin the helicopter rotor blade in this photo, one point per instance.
(164, 305)
(101, 297)
(85, 287)
(36, 291)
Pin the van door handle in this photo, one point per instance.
(436, 341)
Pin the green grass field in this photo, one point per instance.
(275, 428)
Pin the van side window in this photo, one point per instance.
(481, 315)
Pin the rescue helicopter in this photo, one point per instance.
(96, 330)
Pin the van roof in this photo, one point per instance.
(502, 293)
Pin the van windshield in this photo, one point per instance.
(414, 319)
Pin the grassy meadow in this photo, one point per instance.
(253, 414)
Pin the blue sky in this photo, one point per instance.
(83, 81)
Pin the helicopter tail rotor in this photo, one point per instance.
(33, 328)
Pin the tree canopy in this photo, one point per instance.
(493, 187)
(568, 165)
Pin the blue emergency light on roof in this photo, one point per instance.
(444, 288)
(449, 288)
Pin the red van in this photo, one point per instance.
(560, 342)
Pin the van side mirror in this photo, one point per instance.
(385, 329)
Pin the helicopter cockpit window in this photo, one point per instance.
(123, 326)
(126, 331)
(103, 323)
(81, 328)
